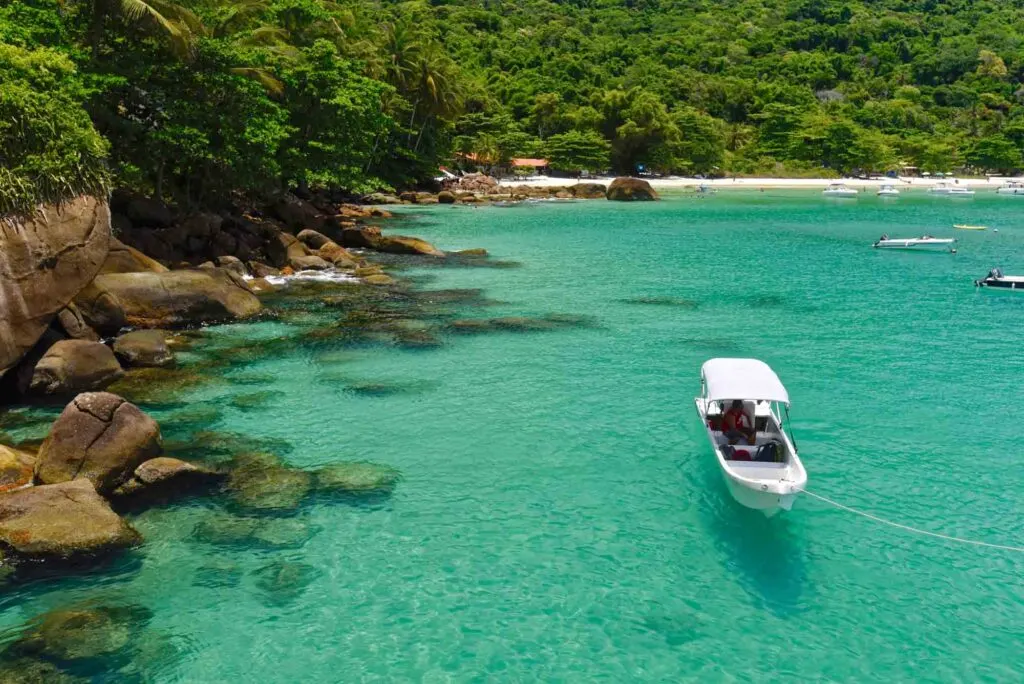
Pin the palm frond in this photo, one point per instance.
(270, 83)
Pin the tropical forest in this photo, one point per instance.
(195, 101)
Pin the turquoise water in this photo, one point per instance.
(560, 516)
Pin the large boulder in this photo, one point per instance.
(297, 214)
(99, 437)
(308, 263)
(630, 190)
(143, 348)
(70, 320)
(370, 237)
(283, 247)
(141, 211)
(588, 191)
(44, 262)
(446, 197)
(61, 521)
(163, 300)
(124, 259)
(312, 239)
(164, 476)
(336, 254)
(73, 366)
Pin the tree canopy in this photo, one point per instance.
(195, 100)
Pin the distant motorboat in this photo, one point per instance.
(839, 190)
(888, 190)
(965, 226)
(995, 278)
(925, 242)
(947, 188)
(1011, 188)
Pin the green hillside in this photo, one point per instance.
(198, 100)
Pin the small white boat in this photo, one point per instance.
(761, 469)
(888, 190)
(839, 190)
(950, 190)
(1011, 188)
(926, 242)
(995, 278)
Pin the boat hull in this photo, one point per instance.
(943, 246)
(769, 503)
(1000, 284)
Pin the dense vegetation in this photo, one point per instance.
(198, 100)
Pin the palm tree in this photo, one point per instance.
(176, 23)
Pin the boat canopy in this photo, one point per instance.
(742, 379)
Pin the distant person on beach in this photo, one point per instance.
(735, 424)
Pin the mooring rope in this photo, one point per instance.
(915, 530)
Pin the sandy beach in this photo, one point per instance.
(679, 182)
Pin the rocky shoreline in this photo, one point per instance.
(105, 319)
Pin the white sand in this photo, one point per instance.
(724, 183)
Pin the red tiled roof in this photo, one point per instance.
(536, 163)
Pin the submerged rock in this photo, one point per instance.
(664, 301)
(72, 366)
(284, 581)
(232, 530)
(65, 520)
(254, 400)
(82, 633)
(630, 190)
(161, 385)
(99, 437)
(28, 670)
(356, 477)
(262, 481)
(143, 348)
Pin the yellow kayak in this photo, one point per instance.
(964, 226)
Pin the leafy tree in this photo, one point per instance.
(996, 153)
(577, 151)
(49, 150)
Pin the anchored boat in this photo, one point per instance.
(925, 242)
(888, 190)
(755, 454)
(995, 278)
(1011, 188)
(839, 190)
(950, 190)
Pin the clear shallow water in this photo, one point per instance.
(561, 517)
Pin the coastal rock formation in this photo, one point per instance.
(446, 197)
(336, 254)
(312, 239)
(282, 248)
(124, 259)
(15, 469)
(233, 264)
(44, 262)
(73, 324)
(99, 437)
(588, 191)
(72, 366)
(308, 263)
(164, 476)
(630, 190)
(143, 348)
(80, 633)
(61, 521)
(297, 214)
(476, 182)
(161, 300)
(369, 237)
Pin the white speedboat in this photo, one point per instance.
(839, 190)
(950, 190)
(761, 469)
(925, 242)
(888, 190)
(1011, 188)
(995, 278)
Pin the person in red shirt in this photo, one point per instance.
(736, 424)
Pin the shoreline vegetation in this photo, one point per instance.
(755, 182)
